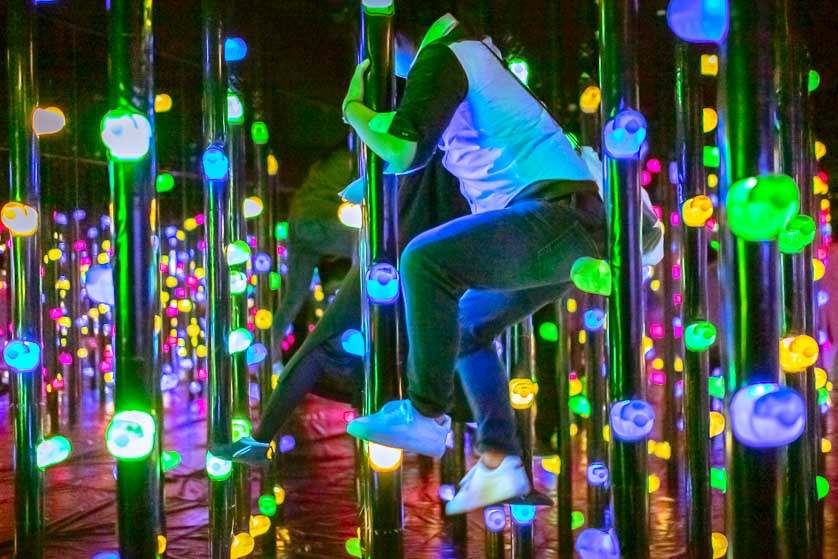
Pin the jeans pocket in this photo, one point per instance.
(556, 259)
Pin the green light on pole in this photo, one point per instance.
(548, 332)
(580, 406)
(276, 281)
(239, 340)
(712, 157)
(718, 479)
(267, 505)
(281, 231)
(238, 252)
(165, 182)
(521, 70)
(823, 487)
(759, 207)
(378, 6)
(591, 275)
(699, 336)
(218, 469)
(577, 520)
(170, 459)
(241, 428)
(126, 134)
(717, 386)
(235, 108)
(797, 234)
(130, 435)
(259, 132)
(53, 451)
(814, 80)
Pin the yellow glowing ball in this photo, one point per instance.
(654, 483)
(200, 273)
(184, 305)
(648, 344)
(350, 215)
(190, 224)
(590, 99)
(171, 282)
(82, 353)
(825, 204)
(103, 258)
(193, 330)
(819, 186)
(263, 319)
(108, 377)
(657, 363)
(797, 353)
(259, 524)
(162, 103)
(820, 378)
(820, 149)
(606, 433)
(717, 424)
(201, 350)
(654, 285)
(826, 446)
(161, 544)
(571, 305)
(575, 386)
(158, 323)
(712, 180)
(522, 393)
(180, 235)
(384, 458)
(574, 429)
(583, 336)
(93, 313)
(709, 65)
(679, 365)
(103, 308)
(696, 211)
(552, 464)
(273, 165)
(48, 120)
(106, 245)
(242, 546)
(710, 119)
(818, 269)
(54, 254)
(663, 450)
(164, 297)
(20, 219)
(65, 322)
(719, 545)
(279, 495)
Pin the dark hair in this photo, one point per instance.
(414, 17)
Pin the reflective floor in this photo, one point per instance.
(320, 513)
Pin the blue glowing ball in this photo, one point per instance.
(195, 387)
(60, 218)
(235, 49)
(98, 284)
(255, 354)
(594, 320)
(632, 420)
(494, 518)
(593, 543)
(522, 515)
(446, 492)
(215, 163)
(287, 444)
(79, 215)
(699, 21)
(262, 263)
(168, 382)
(104, 554)
(22, 356)
(597, 474)
(383, 283)
(92, 233)
(352, 342)
(767, 415)
(624, 135)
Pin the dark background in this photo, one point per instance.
(306, 51)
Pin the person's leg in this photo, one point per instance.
(316, 372)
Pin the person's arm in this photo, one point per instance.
(436, 86)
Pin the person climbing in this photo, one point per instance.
(535, 209)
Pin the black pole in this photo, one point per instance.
(694, 263)
(619, 27)
(217, 236)
(379, 246)
(131, 58)
(564, 479)
(750, 273)
(25, 284)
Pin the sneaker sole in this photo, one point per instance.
(396, 441)
(496, 499)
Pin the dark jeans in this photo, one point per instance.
(467, 280)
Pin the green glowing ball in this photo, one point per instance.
(548, 331)
(53, 451)
(823, 487)
(239, 340)
(718, 479)
(699, 336)
(281, 231)
(267, 505)
(259, 132)
(814, 80)
(577, 520)
(131, 435)
(238, 252)
(712, 158)
(165, 182)
(591, 275)
(353, 547)
(823, 396)
(580, 405)
(798, 233)
(218, 469)
(717, 387)
(759, 207)
(170, 460)
(241, 428)
(276, 281)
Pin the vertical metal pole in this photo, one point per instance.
(619, 28)
(263, 231)
(25, 280)
(599, 496)
(130, 63)
(801, 506)
(217, 236)
(50, 328)
(564, 480)
(750, 272)
(452, 467)
(520, 357)
(74, 378)
(382, 382)
(694, 262)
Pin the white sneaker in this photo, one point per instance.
(397, 424)
(482, 486)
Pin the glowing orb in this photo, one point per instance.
(384, 458)
(699, 21)
(22, 356)
(797, 234)
(494, 518)
(522, 393)
(126, 134)
(49, 120)
(252, 206)
(632, 420)
(624, 135)
(699, 336)
(696, 211)
(798, 353)
(522, 515)
(766, 415)
(20, 219)
(593, 543)
(382, 283)
(591, 275)
(218, 469)
(215, 163)
(53, 451)
(131, 435)
(590, 99)
(597, 474)
(98, 284)
(759, 207)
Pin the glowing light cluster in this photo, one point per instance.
(522, 393)
(767, 415)
(131, 435)
(382, 283)
(21, 220)
(759, 207)
(126, 134)
(625, 134)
